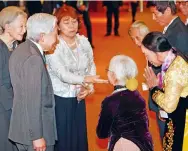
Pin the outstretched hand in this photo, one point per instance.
(94, 79)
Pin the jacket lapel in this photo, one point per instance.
(172, 25)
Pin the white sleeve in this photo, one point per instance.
(55, 64)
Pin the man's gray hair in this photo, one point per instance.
(141, 26)
(124, 68)
(40, 23)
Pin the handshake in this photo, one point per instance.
(87, 86)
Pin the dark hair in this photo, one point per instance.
(161, 6)
(156, 42)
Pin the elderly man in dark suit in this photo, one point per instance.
(164, 13)
(137, 31)
(32, 124)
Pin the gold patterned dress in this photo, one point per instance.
(174, 100)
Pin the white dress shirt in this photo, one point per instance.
(186, 22)
(67, 68)
(166, 27)
(39, 47)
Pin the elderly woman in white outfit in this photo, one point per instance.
(72, 70)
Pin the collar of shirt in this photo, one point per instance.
(186, 22)
(39, 47)
(166, 27)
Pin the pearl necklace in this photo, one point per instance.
(70, 45)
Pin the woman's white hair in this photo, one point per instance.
(124, 68)
(40, 23)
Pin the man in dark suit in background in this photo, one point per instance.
(164, 13)
(33, 7)
(112, 8)
(134, 5)
(32, 125)
(51, 6)
(137, 31)
(4, 4)
(83, 8)
(183, 5)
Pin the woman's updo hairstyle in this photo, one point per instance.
(156, 42)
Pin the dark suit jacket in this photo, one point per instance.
(6, 93)
(124, 115)
(49, 6)
(74, 4)
(34, 7)
(2, 5)
(33, 113)
(13, 3)
(112, 4)
(8, 3)
(177, 34)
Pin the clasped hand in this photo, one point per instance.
(151, 79)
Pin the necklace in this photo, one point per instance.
(70, 45)
(70, 50)
(11, 45)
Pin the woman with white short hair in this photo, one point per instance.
(123, 116)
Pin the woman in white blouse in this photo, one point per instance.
(72, 70)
